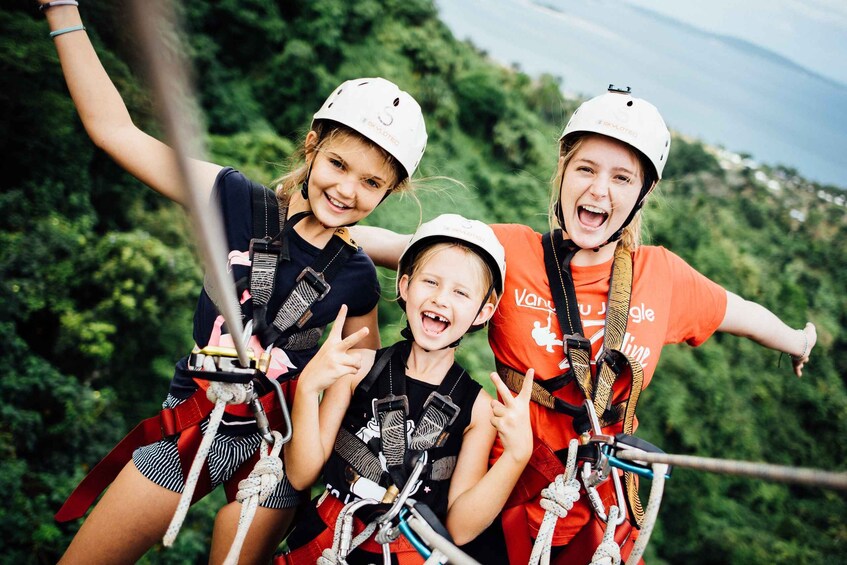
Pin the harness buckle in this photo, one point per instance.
(316, 280)
(446, 406)
(265, 245)
(216, 363)
(576, 341)
(614, 360)
(391, 403)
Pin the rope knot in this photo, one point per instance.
(262, 480)
(231, 393)
(608, 553)
(560, 495)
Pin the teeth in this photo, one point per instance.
(594, 209)
(335, 202)
(436, 317)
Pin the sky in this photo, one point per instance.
(811, 33)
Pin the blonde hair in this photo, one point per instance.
(328, 131)
(631, 237)
(483, 272)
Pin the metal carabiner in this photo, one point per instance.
(400, 501)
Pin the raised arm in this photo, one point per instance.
(383, 246)
(333, 372)
(477, 494)
(106, 118)
(754, 321)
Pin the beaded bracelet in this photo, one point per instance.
(805, 345)
(59, 32)
(48, 5)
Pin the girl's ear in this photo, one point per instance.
(311, 144)
(403, 286)
(484, 314)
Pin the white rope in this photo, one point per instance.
(221, 394)
(608, 552)
(651, 512)
(254, 490)
(556, 500)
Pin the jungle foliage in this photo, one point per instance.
(98, 278)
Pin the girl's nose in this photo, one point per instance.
(599, 187)
(347, 186)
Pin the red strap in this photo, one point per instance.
(106, 470)
(170, 421)
(541, 470)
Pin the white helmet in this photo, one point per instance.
(381, 112)
(621, 116)
(455, 228)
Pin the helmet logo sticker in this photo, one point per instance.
(385, 116)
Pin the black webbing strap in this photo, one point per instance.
(267, 249)
(577, 348)
(356, 453)
(311, 286)
(391, 410)
(613, 362)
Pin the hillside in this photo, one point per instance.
(98, 279)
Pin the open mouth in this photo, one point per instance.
(591, 216)
(434, 324)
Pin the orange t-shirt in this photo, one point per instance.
(670, 303)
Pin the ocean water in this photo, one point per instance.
(722, 90)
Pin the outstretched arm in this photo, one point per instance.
(383, 246)
(754, 321)
(106, 118)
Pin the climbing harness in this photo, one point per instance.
(231, 384)
(391, 410)
(394, 463)
(406, 517)
(595, 387)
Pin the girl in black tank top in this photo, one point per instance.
(381, 411)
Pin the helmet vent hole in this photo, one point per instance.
(396, 102)
(330, 104)
(629, 103)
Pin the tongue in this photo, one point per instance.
(591, 219)
(433, 326)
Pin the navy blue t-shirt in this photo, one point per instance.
(356, 285)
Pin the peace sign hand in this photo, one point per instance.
(334, 359)
(510, 417)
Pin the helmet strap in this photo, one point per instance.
(304, 188)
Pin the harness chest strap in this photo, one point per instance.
(432, 428)
(169, 422)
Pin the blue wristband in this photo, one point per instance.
(58, 32)
(49, 5)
